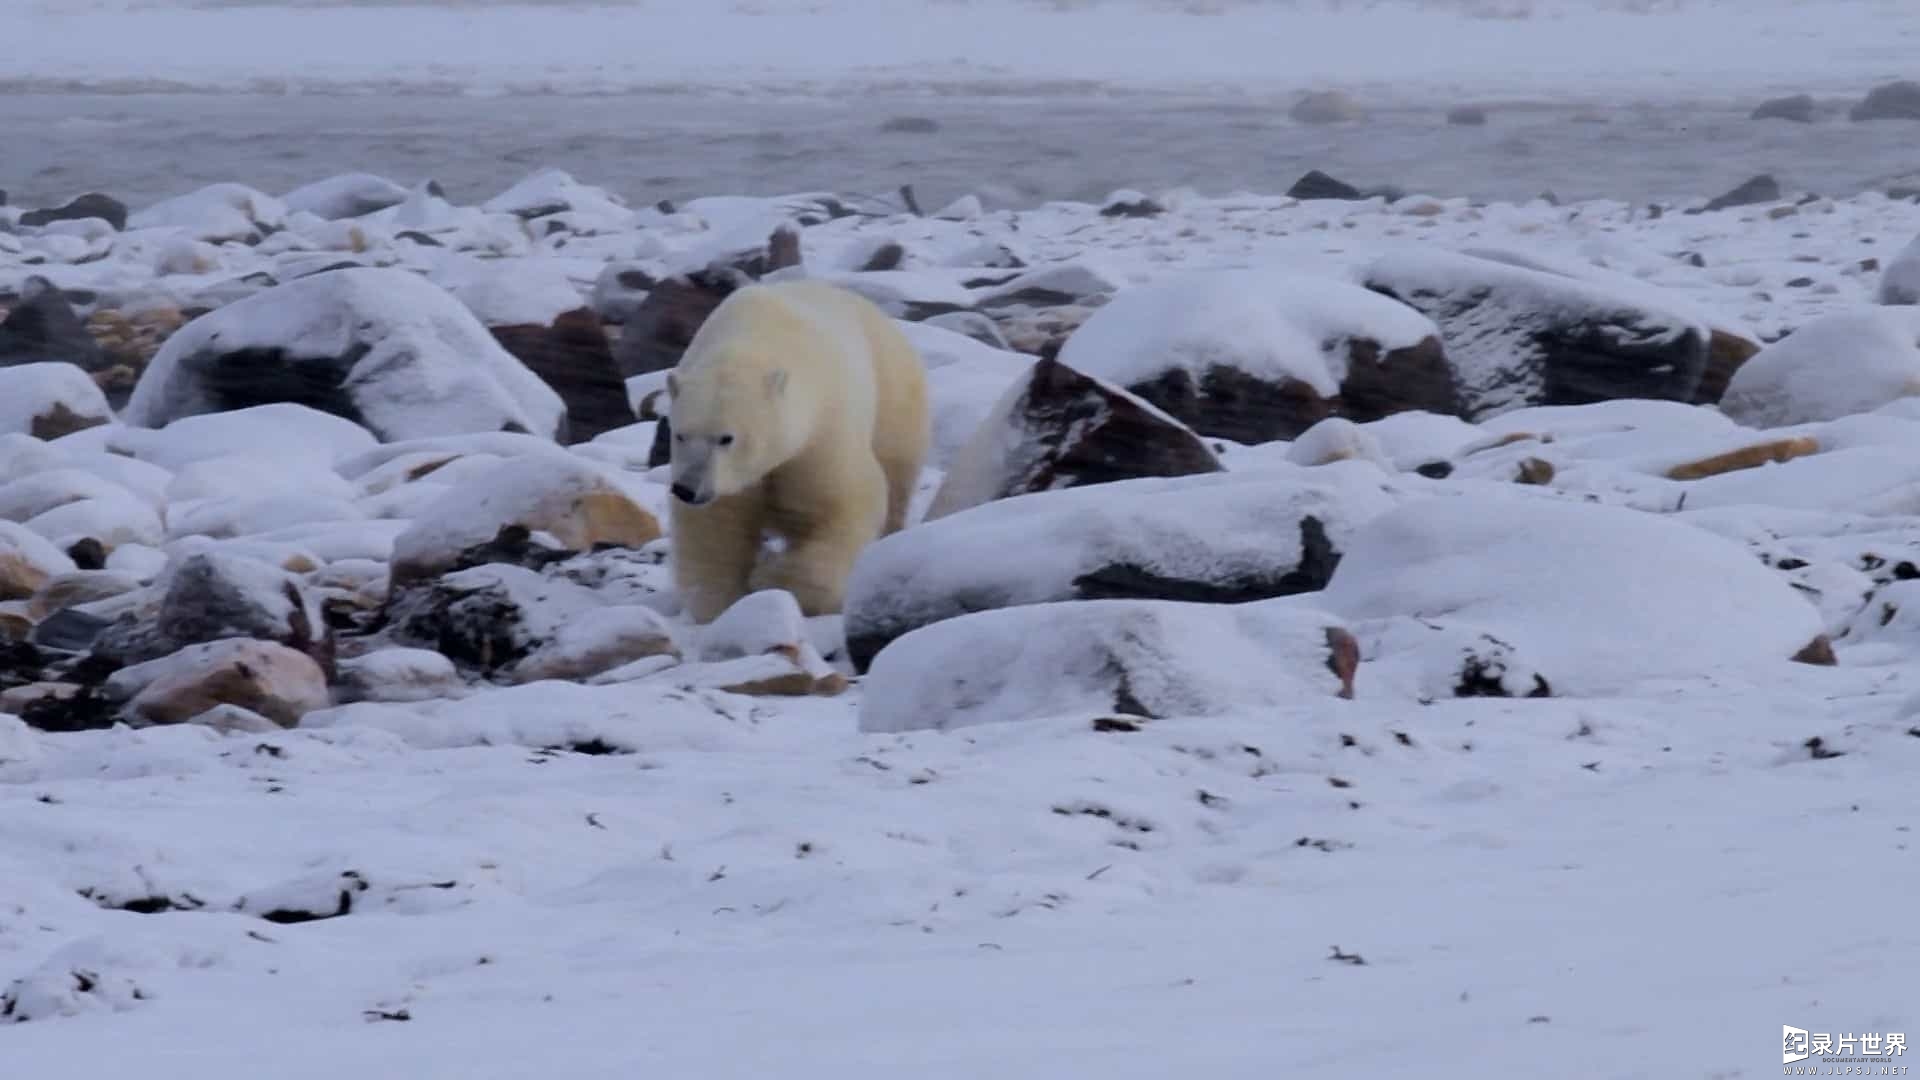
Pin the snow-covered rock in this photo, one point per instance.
(382, 347)
(260, 676)
(1900, 280)
(397, 675)
(217, 212)
(598, 641)
(1219, 537)
(575, 502)
(349, 195)
(27, 560)
(265, 431)
(487, 617)
(1519, 334)
(1594, 597)
(1141, 659)
(1847, 362)
(1258, 355)
(48, 400)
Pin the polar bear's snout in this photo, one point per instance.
(691, 497)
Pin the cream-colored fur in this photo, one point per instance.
(799, 411)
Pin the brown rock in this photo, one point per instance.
(1746, 457)
(1534, 471)
(1726, 351)
(573, 357)
(1227, 403)
(260, 676)
(1343, 657)
(1819, 651)
(660, 329)
(20, 577)
(60, 421)
(1065, 429)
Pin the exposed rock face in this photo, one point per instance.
(1057, 428)
(572, 356)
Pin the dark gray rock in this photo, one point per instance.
(91, 205)
(1799, 108)
(1893, 101)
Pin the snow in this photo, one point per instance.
(1848, 362)
(647, 872)
(1595, 596)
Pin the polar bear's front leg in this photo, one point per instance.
(714, 550)
(825, 530)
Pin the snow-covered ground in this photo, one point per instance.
(1696, 842)
(1409, 51)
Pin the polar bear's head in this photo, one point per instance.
(728, 431)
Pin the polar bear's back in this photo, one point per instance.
(870, 369)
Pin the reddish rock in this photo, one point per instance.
(574, 357)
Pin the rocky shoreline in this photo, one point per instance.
(269, 458)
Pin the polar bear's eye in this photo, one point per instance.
(725, 440)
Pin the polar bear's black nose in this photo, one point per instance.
(686, 495)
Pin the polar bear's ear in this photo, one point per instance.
(673, 385)
(776, 383)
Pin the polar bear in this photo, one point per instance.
(798, 412)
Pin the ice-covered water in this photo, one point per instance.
(1014, 151)
(1031, 99)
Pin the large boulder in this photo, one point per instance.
(1107, 660)
(1259, 355)
(1839, 364)
(1594, 597)
(1218, 538)
(1057, 428)
(1518, 333)
(384, 348)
